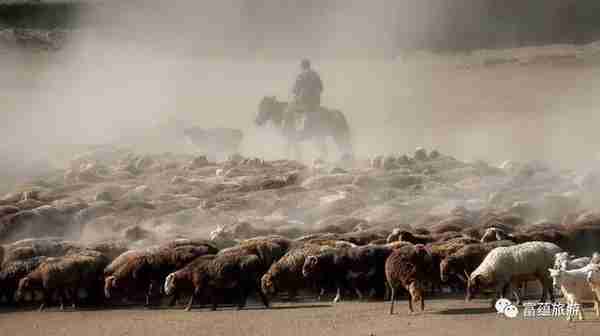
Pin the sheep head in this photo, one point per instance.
(109, 284)
(310, 266)
(267, 285)
(445, 269)
(474, 285)
(593, 276)
(170, 284)
(24, 285)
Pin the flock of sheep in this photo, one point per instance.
(52, 270)
(391, 227)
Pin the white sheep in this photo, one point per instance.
(565, 262)
(512, 264)
(574, 285)
(593, 279)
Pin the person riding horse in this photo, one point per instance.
(307, 97)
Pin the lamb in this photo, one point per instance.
(406, 267)
(286, 274)
(575, 286)
(563, 261)
(229, 271)
(12, 272)
(74, 272)
(506, 265)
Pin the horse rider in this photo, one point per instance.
(307, 92)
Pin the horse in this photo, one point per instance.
(317, 126)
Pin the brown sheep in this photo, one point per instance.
(12, 272)
(267, 251)
(466, 259)
(286, 274)
(406, 267)
(49, 247)
(65, 276)
(185, 278)
(357, 268)
(147, 268)
(226, 272)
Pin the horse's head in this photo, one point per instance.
(265, 110)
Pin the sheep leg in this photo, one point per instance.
(61, 298)
(597, 307)
(422, 303)
(358, 293)
(392, 298)
(338, 295)
(149, 294)
(243, 297)
(174, 299)
(263, 297)
(410, 301)
(321, 293)
(46, 301)
(192, 298)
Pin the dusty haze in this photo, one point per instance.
(130, 70)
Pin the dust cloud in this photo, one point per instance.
(131, 69)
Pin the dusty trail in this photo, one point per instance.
(442, 317)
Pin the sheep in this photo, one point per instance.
(593, 279)
(268, 251)
(406, 267)
(286, 274)
(110, 249)
(574, 286)
(492, 234)
(438, 252)
(466, 259)
(354, 268)
(184, 278)
(505, 265)
(563, 261)
(147, 268)
(14, 271)
(48, 247)
(74, 272)
(403, 235)
(228, 271)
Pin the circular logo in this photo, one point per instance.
(501, 305)
(511, 311)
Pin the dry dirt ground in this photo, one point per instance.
(442, 317)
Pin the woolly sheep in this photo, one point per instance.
(406, 267)
(564, 261)
(574, 285)
(521, 262)
(593, 279)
